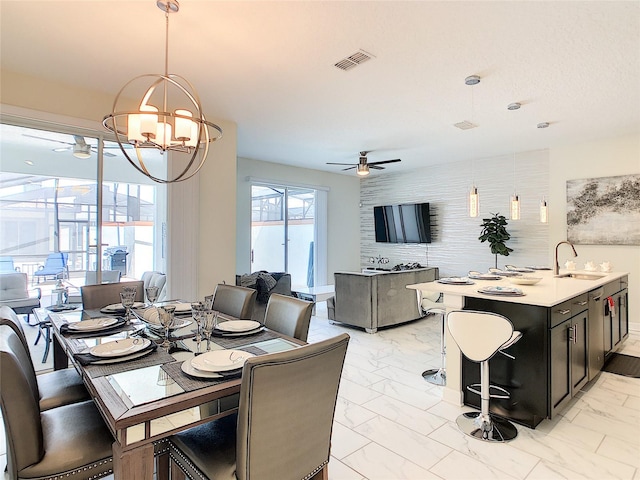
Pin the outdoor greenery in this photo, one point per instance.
(494, 231)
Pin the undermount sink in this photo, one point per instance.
(582, 276)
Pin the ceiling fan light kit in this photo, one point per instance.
(178, 125)
(363, 165)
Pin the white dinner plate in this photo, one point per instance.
(93, 324)
(525, 280)
(238, 326)
(220, 360)
(120, 348)
(150, 316)
(124, 358)
(238, 334)
(182, 307)
(485, 276)
(194, 372)
(455, 281)
(117, 307)
(507, 291)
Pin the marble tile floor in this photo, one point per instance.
(390, 424)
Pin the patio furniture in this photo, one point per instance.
(55, 266)
(15, 294)
(7, 266)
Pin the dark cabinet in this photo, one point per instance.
(569, 360)
(616, 314)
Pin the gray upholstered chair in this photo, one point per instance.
(288, 315)
(235, 301)
(54, 389)
(14, 293)
(97, 296)
(282, 430)
(156, 279)
(70, 442)
(91, 278)
(480, 335)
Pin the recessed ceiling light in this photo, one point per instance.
(28, 162)
(543, 124)
(514, 106)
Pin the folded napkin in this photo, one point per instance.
(85, 359)
(65, 330)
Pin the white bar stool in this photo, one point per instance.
(480, 335)
(436, 376)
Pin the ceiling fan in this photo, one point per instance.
(363, 166)
(80, 147)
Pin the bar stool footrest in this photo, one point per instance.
(503, 393)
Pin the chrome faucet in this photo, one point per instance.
(556, 267)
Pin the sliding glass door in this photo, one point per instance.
(72, 193)
(283, 231)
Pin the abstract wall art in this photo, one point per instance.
(604, 211)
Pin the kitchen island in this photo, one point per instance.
(569, 326)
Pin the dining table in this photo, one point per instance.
(153, 392)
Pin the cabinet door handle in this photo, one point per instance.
(582, 304)
(575, 334)
(563, 312)
(595, 299)
(571, 333)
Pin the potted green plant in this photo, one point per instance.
(494, 231)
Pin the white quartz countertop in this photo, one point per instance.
(548, 292)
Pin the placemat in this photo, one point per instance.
(235, 342)
(158, 357)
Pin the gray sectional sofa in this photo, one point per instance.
(377, 299)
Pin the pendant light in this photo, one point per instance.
(474, 198)
(544, 211)
(514, 203)
(168, 117)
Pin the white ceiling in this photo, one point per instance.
(269, 67)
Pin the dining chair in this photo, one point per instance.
(94, 297)
(282, 429)
(54, 389)
(288, 315)
(235, 301)
(70, 441)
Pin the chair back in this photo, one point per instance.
(8, 317)
(286, 411)
(156, 279)
(234, 301)
(97, 296)
(20, 408)
(108, 276)
(13, 286)
(479, 334)
(288, 315)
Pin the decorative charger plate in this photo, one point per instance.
(93, 324)
(117, 307)
(238, 326)
(525, 280)
(220, 360)
(455, 281)
(120, 348)
(125, 358)
(485, 276)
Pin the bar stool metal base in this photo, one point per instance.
(495, 430)
(435, 376)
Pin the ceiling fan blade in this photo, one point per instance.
(332, 163)
(376, 167)
(48, 139)
(385, 161)
(350, 168)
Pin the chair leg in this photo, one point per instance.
(483, 425)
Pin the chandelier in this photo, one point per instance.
(168, 118)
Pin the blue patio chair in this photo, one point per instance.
(55, 266)
(7, 266)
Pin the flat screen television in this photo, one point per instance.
(406, 223)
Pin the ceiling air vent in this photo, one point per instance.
(353, 60)
(465, 125)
